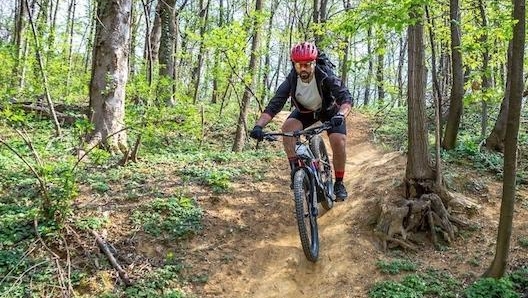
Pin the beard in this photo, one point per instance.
(304, 75)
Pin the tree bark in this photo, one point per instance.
(418, 171)
(20, 43)
(167, 11)
(366, 98)
(380, 81)
(423, 209)
(197, 71)
(457, 89)
(498, 265)
(110, 74)
(495, 140)
(240, 135)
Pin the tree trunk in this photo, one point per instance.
(71, 24)
(495, 140)
(20, 43)
(42, 70)
(134, 29)
(110, 74)
(240, 135)
(380, 79)
(266, 80)
(167, 11)
(457, 90)
(437, 99)
(486, 81)
(498, 265)
(197, 71)
(216, 66)
(366, 98)
(401, 59)
(418, 171)
(424, 205)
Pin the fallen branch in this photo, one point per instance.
(104, 248)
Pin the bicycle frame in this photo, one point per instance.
(307, 160)
(309, 185)
(311, 166)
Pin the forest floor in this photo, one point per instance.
(250, 246)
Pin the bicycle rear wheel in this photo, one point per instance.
(318, 148)
(306, 214)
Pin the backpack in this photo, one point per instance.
(324, 62)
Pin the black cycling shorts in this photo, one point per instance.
(308, 119)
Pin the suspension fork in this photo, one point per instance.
(313, 183)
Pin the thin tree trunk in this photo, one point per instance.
(486, 83)
(437, 99)
(91, 38)
(147, 53)
(495, 140)
(401, 59)
(216, 66)
(240, 135)
(366, 99)
(380, 79)
(134, 28)
(266, 81)
(71, 20)
(167, 11)
(42, 69)
(498, 265)
(457, 90)
(203, 15)
(20, 43)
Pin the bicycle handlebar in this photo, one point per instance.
(272, 136)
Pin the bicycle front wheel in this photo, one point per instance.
(306, 214)
(318, 148)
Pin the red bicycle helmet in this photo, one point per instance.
(304, 51)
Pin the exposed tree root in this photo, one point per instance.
(399, 219)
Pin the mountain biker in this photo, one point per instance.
(317, 95)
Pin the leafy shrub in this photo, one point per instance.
(433, 283)
(491, 288)
(519, 278)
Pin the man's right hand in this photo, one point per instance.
(257, 133)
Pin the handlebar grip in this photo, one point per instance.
(271, 138)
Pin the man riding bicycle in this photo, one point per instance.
(318, 95)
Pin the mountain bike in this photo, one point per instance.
(312, 183)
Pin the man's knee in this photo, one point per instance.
(291, 124)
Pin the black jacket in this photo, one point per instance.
(333, 94)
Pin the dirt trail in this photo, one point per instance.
(250, 246)
(257, 251)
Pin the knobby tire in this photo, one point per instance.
(318, 148)
(304, 191)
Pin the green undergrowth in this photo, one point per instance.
(409, 280)
(46, 192)
(390, 131)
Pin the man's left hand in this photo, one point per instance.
(337, 120)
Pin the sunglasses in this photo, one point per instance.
(304, 64)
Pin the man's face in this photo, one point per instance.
(304, 69)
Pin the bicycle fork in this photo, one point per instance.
(314, 184)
